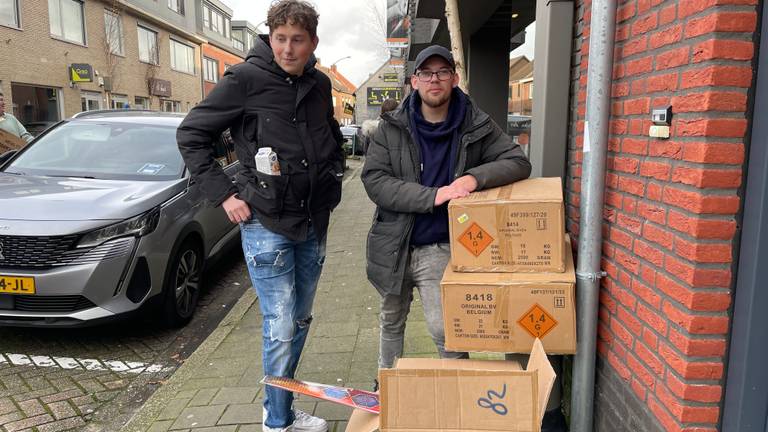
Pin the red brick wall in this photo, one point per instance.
(671, 205)
(223, 57)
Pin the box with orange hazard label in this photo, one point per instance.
(506, 312)
(513, 228)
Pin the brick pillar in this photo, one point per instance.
(671, 205)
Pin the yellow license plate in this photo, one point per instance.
(17, 285)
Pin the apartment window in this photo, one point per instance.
(90, 101)
(141, 103)
(176, 6)
(182, 57)
(211, 70)
(113, 28)
(215, 20)
(148, 46)
(530, 91)
(66, 17)
(120, 102)
(237, 39)
(9, 13)
(170, 105)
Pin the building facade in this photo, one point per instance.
(343, 94)
(385, 83)
(672, 208)
(222, 50)
(123, 54)
(520, 86)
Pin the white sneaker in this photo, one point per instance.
(308, 423)
(303, 422)
(266, 428)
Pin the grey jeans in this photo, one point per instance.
(424, 271)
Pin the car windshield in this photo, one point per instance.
(103, 150)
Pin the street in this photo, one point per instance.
(94, 379)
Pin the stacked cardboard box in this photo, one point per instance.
(433, 395)
(511, 278)
(509, 288)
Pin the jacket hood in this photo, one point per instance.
(261, 55)
(473, 118)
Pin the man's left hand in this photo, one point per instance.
(467, 183)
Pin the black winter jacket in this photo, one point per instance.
(391, 176)
(263, 106)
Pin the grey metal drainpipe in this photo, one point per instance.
(588, 272)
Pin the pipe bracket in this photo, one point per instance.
(592, 277)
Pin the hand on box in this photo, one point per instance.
(447, 193)
(467, 183)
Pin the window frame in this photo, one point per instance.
(142, 105)
(207, 61)
(17, 16)
(179, 6)
(174, 104)
(156, 59)
(191, 60)
(108, 14)
(59, 16)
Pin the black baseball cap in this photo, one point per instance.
(434, 50)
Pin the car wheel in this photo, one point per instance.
(182, 285)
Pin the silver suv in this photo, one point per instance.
(98, 216)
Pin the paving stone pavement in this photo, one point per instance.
(218, 390)
(94, 379)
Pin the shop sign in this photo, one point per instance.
(158, 87)
(80, 72)
(349, 109)
(390, 77)
(377, 95)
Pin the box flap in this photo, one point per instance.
(569, 276)
(544, 189)
(362, 421)
(546, 375)
(455, 364)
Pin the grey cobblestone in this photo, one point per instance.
(62, 410)
(28, 423)
(62, 425)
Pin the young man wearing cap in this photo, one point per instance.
(436, 146)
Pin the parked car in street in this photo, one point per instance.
(99, 217)
(353, 142)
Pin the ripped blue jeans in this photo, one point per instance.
(285, 275)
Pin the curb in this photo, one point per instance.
(152, 408)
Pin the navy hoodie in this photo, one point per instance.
(438, 143)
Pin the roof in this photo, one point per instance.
(131, 116)
(520, 70)
(338, 81)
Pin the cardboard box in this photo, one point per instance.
(431, 395)
(506, 312)
(514, 228)
(9, 141)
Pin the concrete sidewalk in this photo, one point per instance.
(217, 389)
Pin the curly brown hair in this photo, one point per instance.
(293, 12)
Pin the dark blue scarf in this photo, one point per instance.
(438, 144)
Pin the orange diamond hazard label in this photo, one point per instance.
(475, 239)
(537, 321)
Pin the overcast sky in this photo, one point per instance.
(347, 28)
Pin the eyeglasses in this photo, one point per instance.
(442, 75)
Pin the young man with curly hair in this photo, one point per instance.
(276, 99)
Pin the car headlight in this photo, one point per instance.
(138, 226)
